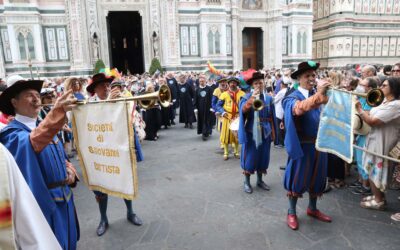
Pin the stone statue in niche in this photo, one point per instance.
(251, 4)
(124, 43)
(156, 49)
(95, 46)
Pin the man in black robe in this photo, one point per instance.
(186, 95)
(202, 104)
(173, 86)
(152, 117)
(212, 85)
(165, 111)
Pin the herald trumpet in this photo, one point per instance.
(374, 97)
(163, 96)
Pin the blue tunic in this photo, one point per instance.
(40, 170)
(252, 158)
(306, 168)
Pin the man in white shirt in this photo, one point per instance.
(279, 111)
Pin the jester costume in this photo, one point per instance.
(228, 106)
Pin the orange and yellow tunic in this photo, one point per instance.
(228, 104)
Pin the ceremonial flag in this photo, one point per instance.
(335, 133)
(106, 149)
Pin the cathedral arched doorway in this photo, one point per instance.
(252, 41)
(126, 41)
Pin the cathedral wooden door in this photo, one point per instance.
(252, 48)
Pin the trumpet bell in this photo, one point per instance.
(163, 95)
(258, 105)
(375, 97)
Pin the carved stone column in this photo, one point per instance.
(78, 34)
(236, 38)
(170, 33)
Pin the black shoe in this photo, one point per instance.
(186, 126)
(102, 228)
(190, 126)
(247, 188)
(355, 184)
(134, 219)
(362, 190)
(263, 185)
(327, 189)
(204, 137)
(173, 123)
(165, 127)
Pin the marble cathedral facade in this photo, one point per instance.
(56, 37)
(356, 32)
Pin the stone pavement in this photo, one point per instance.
(189, 198)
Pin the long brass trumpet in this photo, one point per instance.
(374, 97)
(163, 96)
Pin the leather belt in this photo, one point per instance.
(57, 184)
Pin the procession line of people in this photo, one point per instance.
(37, 143)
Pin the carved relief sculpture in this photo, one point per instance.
(251, 4)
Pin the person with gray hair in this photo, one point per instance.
(368, 71)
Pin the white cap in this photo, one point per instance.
(11, 80)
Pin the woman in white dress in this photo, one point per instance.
(385, 123)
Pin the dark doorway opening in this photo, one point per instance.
(126, 41)
(252, 48)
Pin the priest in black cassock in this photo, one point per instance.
(152, 117)
(173, 86)
(202, 104)
(165, 111)
(213, 85)
(186, 95)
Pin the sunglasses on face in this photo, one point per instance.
(396, 71)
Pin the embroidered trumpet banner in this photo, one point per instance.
(105, 144)
(335, 132)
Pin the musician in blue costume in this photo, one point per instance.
(99, 86)
(40, 154)
(255, 133)
(306, 168)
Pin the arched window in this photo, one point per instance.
(298, 42)
(26, 45)
(31, 45)
(217, 43)
(210, 42)
(304, 43)
(21, 43)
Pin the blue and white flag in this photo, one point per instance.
(335, 132)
